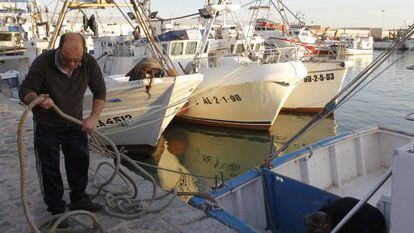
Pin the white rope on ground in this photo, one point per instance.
(119, 204)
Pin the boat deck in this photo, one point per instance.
(361, 185)
(177, 217)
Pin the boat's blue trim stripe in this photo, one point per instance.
(250, 175)
(220, 214)
(227, 219)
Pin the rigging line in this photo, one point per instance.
(96, 144)
(142, 18)
(325, 113)
(175, 18)
(312, 123)
(297, 18)
(254, 17)
(249, 3)
(120, 10)
(127, 4)
(285, 20)
(178, 172)
(376, 76)
(54, 13)
(379, 60)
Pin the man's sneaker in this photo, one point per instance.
(85, 204)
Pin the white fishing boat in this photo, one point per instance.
(134, 117)
(239, 92)
(303, 181)
(323, 82)
(136, 112)
(236, 91)
(355, 45)
(382, 45)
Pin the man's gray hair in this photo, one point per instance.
(317, 222)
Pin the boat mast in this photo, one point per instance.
(77, 5)
(59, 23)
(143, 20)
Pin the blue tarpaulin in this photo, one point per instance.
(289, 201)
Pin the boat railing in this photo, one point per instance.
(220, 60)
(363, 201)
(276, 54)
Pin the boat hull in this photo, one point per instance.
(349, 51)
(323, 82)
(133, 117)
(250, 97)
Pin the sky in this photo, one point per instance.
(333, 13)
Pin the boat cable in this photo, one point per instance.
(178, 172)
(117, 204)
(352, 88)
(123, 14)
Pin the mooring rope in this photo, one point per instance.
(118, 204)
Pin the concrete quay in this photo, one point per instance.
(177, 217)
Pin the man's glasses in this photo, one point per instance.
(69, 60)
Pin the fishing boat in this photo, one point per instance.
(135, 117)
(277, 196)
(136, 111)
(355, 45)
(237, 91)
(277, 199)
(323, 82)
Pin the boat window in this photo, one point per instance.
(177, 48)
(240, 48)
(296, 33)
(5, 36)
(191, 48)
(164, 49)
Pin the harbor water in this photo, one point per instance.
(206, 151)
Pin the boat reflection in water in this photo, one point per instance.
(206, 151)
(359, 63)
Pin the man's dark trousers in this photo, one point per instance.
(74, 144)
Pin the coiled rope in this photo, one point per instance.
(145, 69)
(119, 204)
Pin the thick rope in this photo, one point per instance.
(23, 196)
(119, 204)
